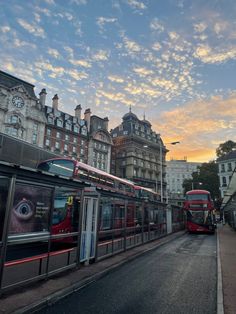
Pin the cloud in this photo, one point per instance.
(77, 75)
(197, 132)
(155, 25)
(32, 28)
(156, 46)
(54, 53)
(5, 29)
(46, 66)
(142, 72)
(116, 97)
(200, 27)
(101, 55)
(138, 5)
(20, 43)
(82, 63)
(206, 54)
(220, 27)
(78, 2)
(101, 21)
(116, 79)
(50, 2)
(131, 46)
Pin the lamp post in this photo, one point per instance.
(161, 164)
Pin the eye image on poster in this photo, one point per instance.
(31, 208)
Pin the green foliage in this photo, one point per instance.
(205, 178)
(225, 148)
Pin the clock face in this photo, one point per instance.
(18, 101)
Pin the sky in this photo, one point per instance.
(172, 61)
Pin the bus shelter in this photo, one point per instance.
(50, 223)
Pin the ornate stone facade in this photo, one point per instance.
(139, 153)
(21, 113)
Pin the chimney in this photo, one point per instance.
(55, 102)
(42, 97)
(106, 120)
(87, 116)
(78, 111)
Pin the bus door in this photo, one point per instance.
(89, 229)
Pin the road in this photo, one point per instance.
(178, 277)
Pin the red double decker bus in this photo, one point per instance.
(199, 209)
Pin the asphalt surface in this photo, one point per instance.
(178, 277)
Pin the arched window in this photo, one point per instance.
(14, 119)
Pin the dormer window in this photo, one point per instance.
(84, 131)
(50, 120)
(76, 129)
(59, 123)
(68, 125)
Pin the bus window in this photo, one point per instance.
(197, 197)
(62, 167)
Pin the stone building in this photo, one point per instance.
(226, 167)
(100, 142)
(176, 172)
(139, 153)
(21, 114)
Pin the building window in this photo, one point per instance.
(224, 182)
(49, 132)
(114, 135)
(222, 168)
(35, 127)
(68, 125)
(76, 129)
(34, 138)
(125, 132)
(57, 145)
(50, 120)
(47, 142)
(65, 147)
(135, 172)
(135, 161)
(74, 149)
(67, 137)
(14, 119)
(58, 135)
(84, 131)
(74, 140)
(12, 131)
(229, 166)
(59, 123)
(82, 151)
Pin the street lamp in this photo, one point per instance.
(161, 162)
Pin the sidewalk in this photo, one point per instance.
(42, 293)
(227, 243)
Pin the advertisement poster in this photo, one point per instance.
(31, 209)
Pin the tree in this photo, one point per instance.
(225, 148)
(205, 178)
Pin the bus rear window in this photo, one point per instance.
(197, 197)
(60, 167)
